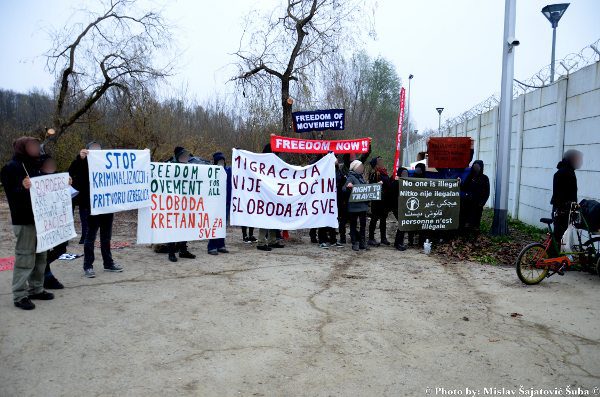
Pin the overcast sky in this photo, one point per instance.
(453, 48)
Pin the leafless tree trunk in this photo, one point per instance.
(115, 50)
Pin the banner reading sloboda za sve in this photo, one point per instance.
(119, 180)
(268, 193)
(187, 203)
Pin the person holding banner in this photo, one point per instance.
(357, 211)
(379, 209)
(79, 171)
(183, 156)
(399, 239)
(28, 273)
(217, 245)
(344, 169)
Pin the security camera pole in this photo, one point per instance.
(500, 223)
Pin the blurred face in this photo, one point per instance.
(418, 171)
(95, 146)
(380, 162)
(184, 158)
(360, 169)
(404, 174)
(49, 166)
(221, 163)
(578, 161)
(476, 168)
(33, 149)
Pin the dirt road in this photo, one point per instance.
(297, 321)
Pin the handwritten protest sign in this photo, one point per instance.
(449, 152)
(187, 203)
(316, 146)
(428, 204)
(271, 194)
(319, 120)
(52, 210)
(119, 180)
(368, 192)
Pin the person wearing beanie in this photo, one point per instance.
(180, 155)
(48, 166)
(217, 245)
(28, 272)
(79, 171)
(357, 212)
(380, 209)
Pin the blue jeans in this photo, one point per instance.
(216, 243)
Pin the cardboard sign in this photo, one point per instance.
(319, 120)
(449, 152)
(317, 146)
(188, 203)
(119, 180)
(52, 210)
(268, 193)
(367, 192)
(428, 204)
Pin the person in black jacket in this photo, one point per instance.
(79, 171)
(341, 174)
(380, 209)
(28, 273)
(394, 194)
(564, 192)
(476, 191)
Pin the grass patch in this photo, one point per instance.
(487, 249)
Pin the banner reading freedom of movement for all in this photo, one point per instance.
(319, 120)
(187, 203)
(119, 180)
(52, 210)
(271, 194)
(316, 146)
(428, 204)
(367, 192)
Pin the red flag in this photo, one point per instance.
(399, 133)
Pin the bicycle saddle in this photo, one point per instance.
(547, 221)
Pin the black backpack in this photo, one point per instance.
(590, 209)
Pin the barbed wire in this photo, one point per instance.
(563, 67)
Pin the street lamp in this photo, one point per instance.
(410, 77)
(439, 110)
(553, 13)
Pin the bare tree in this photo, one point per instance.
(116, 49)
(295, 43)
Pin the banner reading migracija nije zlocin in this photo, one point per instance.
(270, 194)
(428, 204)
(188, 203)
(119, 180)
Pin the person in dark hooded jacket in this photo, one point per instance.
(564, 193)
(217, 245)
(380, 209)
(357, 211)
(28, 272)
(342, 171)
(476, 192)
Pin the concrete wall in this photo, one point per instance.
(545, 123)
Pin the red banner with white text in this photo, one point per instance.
(399, 133)
(316, 146)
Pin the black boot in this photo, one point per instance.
(50, 282)
(172, 257)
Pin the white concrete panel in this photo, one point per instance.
(539, 137)
(583, 105)
(540, 117)
(584, 80)
(583, 132)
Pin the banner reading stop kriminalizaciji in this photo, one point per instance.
(119, 180)
(52, 210)
(428, 204)
(188, 203)
(271, 194)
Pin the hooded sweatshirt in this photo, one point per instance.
(12, 176)
(79, 172)
(356, 179)
(564, 186)
(477, 186)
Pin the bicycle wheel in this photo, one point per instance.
(527, 270)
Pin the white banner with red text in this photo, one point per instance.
(268, 193)
(188, 203)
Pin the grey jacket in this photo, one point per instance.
(356, 179)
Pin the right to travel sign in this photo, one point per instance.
(428, 204)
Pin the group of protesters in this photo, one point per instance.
(32, 273)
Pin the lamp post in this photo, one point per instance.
(553, 13)
(500, 222)
(410, 77)
(439, 110)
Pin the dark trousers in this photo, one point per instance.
(399, 239)
(381, 216)
(313, 234)
(358, 223)
(103, 223)
(561, 223)
(216, 243)
(327, 235)
(84, 214)
(180, 246)
(343, 220)
(247, 231)
(52, 255)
